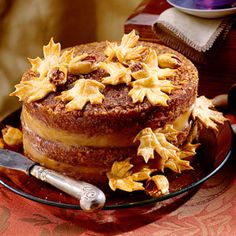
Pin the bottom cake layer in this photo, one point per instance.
(84, 163)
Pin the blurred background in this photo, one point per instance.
(27, 25)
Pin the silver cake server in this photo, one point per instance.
(91, 198)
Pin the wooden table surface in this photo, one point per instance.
(219, 72)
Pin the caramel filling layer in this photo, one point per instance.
(80, 139)
(74, 139)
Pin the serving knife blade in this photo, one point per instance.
(91, 198)
(15, 161)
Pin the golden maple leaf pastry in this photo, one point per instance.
(151, 68)
(150, 142)
(38, 87)
(83, 91)
(118, 73)
(52, 72)
(12, 137)
(170, 132)
(78, 65)
(127, 50)
(34, 89)
(155, 90)
(120, 177)
(209, 118)
(170, 155)
(151, 82)
(52, 59)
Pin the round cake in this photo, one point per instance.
(93, 108)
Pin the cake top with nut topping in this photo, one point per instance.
(110, 74)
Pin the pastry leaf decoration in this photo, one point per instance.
(52, 59)
(120, 177)
(151, 82)
(170, 132)
(34, 89)
(83, 91)
(208, 118)
(52, 71)
(127, 50)
(79, 65)
(151, 68)
(155, 90)
(150, 142)
(118, 73)
(169, 155)
(38, 87)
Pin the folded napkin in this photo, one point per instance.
(193, 36)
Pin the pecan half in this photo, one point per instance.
(57, 77)
(168, 60)
(157, 185)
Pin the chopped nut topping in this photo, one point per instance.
(118, 73)
(33, 90)
(155, 90)
(207, 117)
(157, 185)
(169, 60)
(12, 136)
(120, 177)
(126, 51)
(84, 90)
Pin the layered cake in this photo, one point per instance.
(117, 113)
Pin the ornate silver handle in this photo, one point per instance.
(91, 198)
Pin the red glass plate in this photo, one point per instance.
(215, 150)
